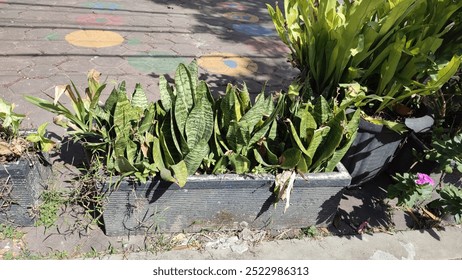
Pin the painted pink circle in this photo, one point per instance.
(99, 19)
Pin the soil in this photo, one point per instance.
(12, 150)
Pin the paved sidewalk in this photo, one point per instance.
(48, 43)
(407, 245)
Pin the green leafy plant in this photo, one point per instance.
(188, 131)
(9, 232)
(411, 190)
(414, 191)
(9, 120)
(447, 152)
(12, 142)
(450, 201)
(319, 123)
(42, 143)
(311, 231)
(117, 132)
(241, 128)
(51, 203)
(387, 46)
(84, 121)
(185, 125)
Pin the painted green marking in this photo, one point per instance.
(133, 41)
(156, 62)
(52, 37)
(101, 20)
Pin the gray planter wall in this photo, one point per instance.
(21, 185)
(222, 202)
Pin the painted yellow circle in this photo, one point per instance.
(242, 17)
(227, 64)
(94, 38)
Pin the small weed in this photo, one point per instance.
(52, 201)
(158, 243)
(27, 255)
(93, 254)
(8, 256)
(311, 231)
(9, 232)
(59, 255)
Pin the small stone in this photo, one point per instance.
(179, 238)
(212, 244)
(232, 239)
(224, 246)
(244, 224)
(240, 249)
(247, 235)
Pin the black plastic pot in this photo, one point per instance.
(371, 152)
(405, 159)
(22, 183)
(212, 202)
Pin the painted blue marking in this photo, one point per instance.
(253, 30)
(230, 63)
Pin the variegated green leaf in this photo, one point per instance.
(333, 139)
(184, 97)
(166, 94)
(321, 111)
(180, 173)
(195, 156)
(290, 158)
(122, 165)
(147, 123)
(139, 98)
(240, 163)
(352, 131)
(316, 140)
(194, 74)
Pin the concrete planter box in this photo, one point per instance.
(21, 183)
(221, 202)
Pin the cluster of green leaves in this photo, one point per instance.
(189, 131)
(233, 134)
(412, 195)
(447, 152)
(9, 120)
(450, 201)
(387, 46)
(10, 123)
(41, 142)
(241, 129)
(185, 124)
(48, 211)
(408, 192)
(117, 133)
(9, 232)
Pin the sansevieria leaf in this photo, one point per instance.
(139, 98)
(332, 140)
(166, 93)
(180, 173)
(196, 155)
(352, 131)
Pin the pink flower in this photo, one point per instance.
(424, 179)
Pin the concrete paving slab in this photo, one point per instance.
(407, 245)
